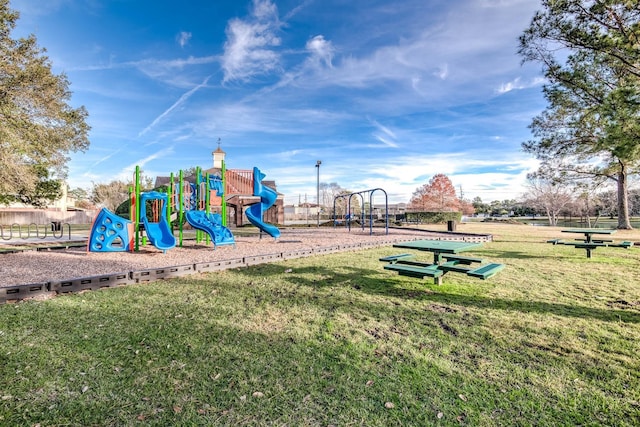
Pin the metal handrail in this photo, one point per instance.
(33, 231)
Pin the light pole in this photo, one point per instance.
(318, 163)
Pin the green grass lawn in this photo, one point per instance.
(554, 339)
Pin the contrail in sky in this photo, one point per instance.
(179, 102)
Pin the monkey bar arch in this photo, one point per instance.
(362, 196)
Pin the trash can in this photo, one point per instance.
(451, 226)
(56, 225)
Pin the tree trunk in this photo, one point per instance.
(552, 217)
(623, 200)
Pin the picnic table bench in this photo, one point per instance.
(445, 260)
(589, 243)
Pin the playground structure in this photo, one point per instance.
(349, 215)
(200, 200)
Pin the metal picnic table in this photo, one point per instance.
(406, 265)
(590, 243)
(589, 232)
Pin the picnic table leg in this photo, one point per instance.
(588, 252)
(437, 258)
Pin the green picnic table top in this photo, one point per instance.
(589, 231)
(441, 246)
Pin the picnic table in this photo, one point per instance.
(589, 242)
(445, 259)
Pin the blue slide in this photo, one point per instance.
(212, 225)
(267, 199)
(159, 233)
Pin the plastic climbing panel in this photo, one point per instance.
(110, 233)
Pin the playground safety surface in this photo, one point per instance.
(71, 263)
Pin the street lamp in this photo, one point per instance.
(318, 163)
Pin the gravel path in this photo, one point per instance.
(45, 266)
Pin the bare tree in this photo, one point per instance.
(328, 194)
(587, 202)
(550, 196)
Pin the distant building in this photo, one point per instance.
(302, 212)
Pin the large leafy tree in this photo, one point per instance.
(38, 127)
(110, 195)
(590, 57)
(45, 192)
(438, 195)
(479, 206)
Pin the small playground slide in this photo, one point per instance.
(267, 199)
(159, 233)
(212, 225)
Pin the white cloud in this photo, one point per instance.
(518, 84)
(506, 179)
(183, 38)
(400, 177)
(265, 10)
(437, 61)
(248, 50)
(321, 50)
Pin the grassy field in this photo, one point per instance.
(336, 340)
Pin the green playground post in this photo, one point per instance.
(198, 195)
(181, 203)
(136, 223)
(207, 201)
(169, 200)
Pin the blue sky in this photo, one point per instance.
(385, 93)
